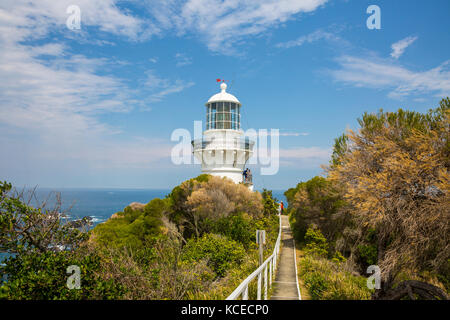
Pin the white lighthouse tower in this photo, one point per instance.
(223, 151)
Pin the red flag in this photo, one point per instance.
(218, 80)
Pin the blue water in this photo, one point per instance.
(279, 195)
(99, 204)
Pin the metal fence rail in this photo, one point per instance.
(268, 266)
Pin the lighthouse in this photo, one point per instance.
(223, 150)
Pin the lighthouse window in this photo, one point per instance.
(219, 106)
(233, 121)
(213, 117)
(226, 107)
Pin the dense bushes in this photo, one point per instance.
(43, 276)
(220, 253)
(386, 201)
(132, 228)
(198, 242)
(328, 280)
(319, 202)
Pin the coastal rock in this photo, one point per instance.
(137, 206)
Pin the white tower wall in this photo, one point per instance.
(223, 151)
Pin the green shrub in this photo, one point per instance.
(269, 202)
(134, 229)
(368, 254)
(316, 243)
(239, 227)
(325, 280)
(221, 253)
(43, 276)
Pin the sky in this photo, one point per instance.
(95, 107)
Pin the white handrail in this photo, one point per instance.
(261, 272)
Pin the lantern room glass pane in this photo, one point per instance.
(213, 118)
(226, 107)
(219, 106)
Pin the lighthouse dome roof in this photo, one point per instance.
(223, 95)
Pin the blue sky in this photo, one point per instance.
(96, 107)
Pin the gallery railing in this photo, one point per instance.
(230, 143)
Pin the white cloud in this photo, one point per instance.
(182, 60)
(306, 153)
(51, 100)
(312, 37)
(298, 157)
(223, 24)
(305, 157)
(160, 87)
(38, 18)
(399, 47)
(373, 72)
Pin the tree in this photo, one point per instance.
(395, 173)
(25, 229)
(207, 201)
(270, 203)
(318, 202)
(41, 247)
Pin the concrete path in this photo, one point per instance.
(285, 284)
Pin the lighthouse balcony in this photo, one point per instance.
(235, 143)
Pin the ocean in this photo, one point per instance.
(99, 204)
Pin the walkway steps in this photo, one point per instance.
(285, 284)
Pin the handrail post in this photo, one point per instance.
(245, 296)
(258, 297)
(265, 283)
(270, 273)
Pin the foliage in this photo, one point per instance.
(395, 175)
(339, 149)
(270, 203)
(385, 201)
(239, 227)
(198, 203)
(220, 252)
(43, 276)
(132, 228)
(316, 244)
(24, 228)
(320, 202)
(198, 242)
(327, 280)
